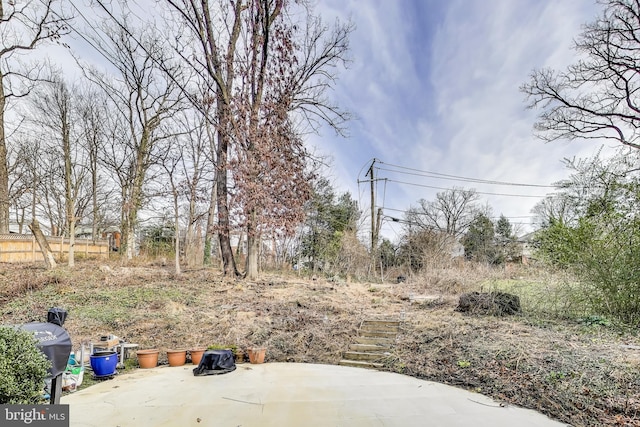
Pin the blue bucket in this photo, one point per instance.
(104, 363)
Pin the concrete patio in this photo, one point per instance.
(283, 394)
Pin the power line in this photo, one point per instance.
(91, 25)
(478, 192)
(493, 217)
(438, 175)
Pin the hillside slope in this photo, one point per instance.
(577, 373)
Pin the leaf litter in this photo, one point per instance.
(577, 374)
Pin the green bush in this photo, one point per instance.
(23, 367)
(603, 252)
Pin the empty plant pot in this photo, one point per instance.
(104, 363)
(256, 354)
(148, 358)
(177, 357)
(196, 355)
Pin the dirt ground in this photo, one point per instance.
(585, 374)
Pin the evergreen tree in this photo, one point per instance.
(479, 244)
(329, 217)
(503, 228)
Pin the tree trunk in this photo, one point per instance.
(44, 245)
(129, 242)
(21, 221)
(228, 262)
(94, 191)
(209, 232)
(72, 243)
(193, 246)
(209, 246)
(253, 246)
(135, 192)
(4, 173)
(68, 178)
(176, 218)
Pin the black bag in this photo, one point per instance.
(215, 362)
(57, 316)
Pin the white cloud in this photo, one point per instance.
(459, 111)
(482, 53)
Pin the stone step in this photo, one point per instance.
(370, 348)
(379, 328)
(360, 364)
(382, 323)
(377, 334)
(375, 340)
(363, 356)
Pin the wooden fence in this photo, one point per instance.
(24, 248)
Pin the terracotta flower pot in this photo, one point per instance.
(196, 355)
(256, 354)
(177, 357)
(148, 358)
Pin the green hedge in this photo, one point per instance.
(23, 367)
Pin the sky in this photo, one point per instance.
(435, 86)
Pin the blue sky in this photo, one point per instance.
(435, 86)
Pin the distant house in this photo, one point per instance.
(113, 235)
(14, 228)
(527, 248)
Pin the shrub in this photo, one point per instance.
(23, 367)
(603, 252)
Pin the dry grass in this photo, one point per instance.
(576, 373)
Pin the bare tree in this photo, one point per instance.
(24, 25)
(92, 112)
(553, 209)
(183, 160)
(451, 212)
(597, 97)
(209, 243)
(271, 77)
(25, 177)
(596, 185)
(142, 98)
(211, 32)
(170, 162)
(55, 111)
(195, 168)
(50, 194)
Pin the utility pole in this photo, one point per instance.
(375, 219)
(374, 238)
